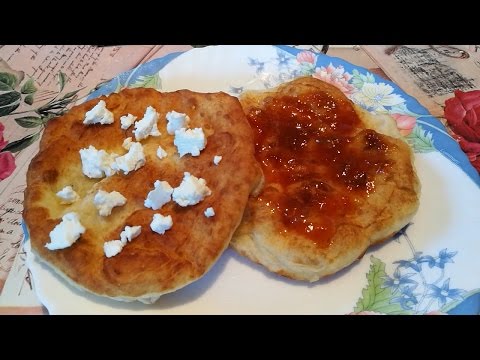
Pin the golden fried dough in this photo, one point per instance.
(337, 180)
(151, 264)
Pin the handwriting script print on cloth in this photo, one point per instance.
(10, 215)
(433, 77)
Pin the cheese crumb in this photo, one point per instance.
(176, 121)
(147, 126)
(127, 121)
(127, 143)
(130, 233)
(191, 191)
(112, 248)
(134, 159)
(217, 159)
(98, 115)
(106, 201)
(190, 141)
(67, 195)
(209, 212)
(66, 233)
(159, 196)
(161, 223)
(161, 153)
(97, 163)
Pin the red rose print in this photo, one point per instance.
(463, 115)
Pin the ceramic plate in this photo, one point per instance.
(431, 266)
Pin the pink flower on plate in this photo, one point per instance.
(306, 57)
(405, 123)
(7, 160)
(335, 76)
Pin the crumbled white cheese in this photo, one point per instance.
(106, 201)
(209, 212)
(191, 191)
(159, 196)
(66, 233)
(161, 223)
(130, 233)
(161, 153)
(97, 163)
(127, 143)
(134, 159)
(98, 115)
(190, 141)
(127, 121)
(112, 248)
(67, 195)
(176, 121)
(217, 159)
(147, 126)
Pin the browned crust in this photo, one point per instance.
(152, 264)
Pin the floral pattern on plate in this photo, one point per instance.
(418, 285)
(363, 89)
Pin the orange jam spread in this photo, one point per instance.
(318, 160)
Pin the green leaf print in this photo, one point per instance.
(148, 81)
(70, 94)
(9, 98)
(374, 297)
(28, 99)
(369, 78)
(28, 87)
(403, 110)
(7, 81)
(62, 79)
(358, 80)
(29, 121)
(5, 110)
(21, 144)
(307, 69)
(5, 87)
(421, 140)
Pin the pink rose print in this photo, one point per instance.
(335, 76)
(7, 160)
(306, 57)
(7, 164)
(405, 123)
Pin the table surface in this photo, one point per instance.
(81, 67)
